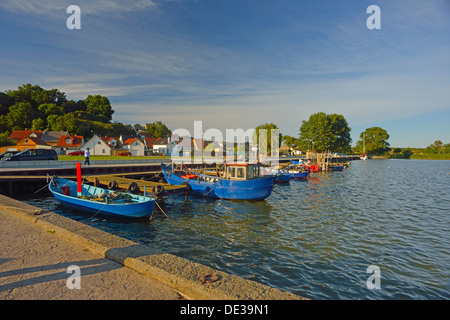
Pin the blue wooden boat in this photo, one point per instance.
(338, 168)
(279, 175)
(233, 181)
(298, 172)
(106, 202)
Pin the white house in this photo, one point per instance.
(164, 146)
(135, 146)
(97, 147)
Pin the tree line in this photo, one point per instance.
(34, 108)
(331, 133)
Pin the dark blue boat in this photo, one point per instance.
(338, 168)
(279, 175)
(297, 172)
(234, 181)
(106, 201)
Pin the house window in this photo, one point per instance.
(103, 151)
(68, 141)
(99, 142)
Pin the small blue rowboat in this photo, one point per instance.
(235, 181)
(279, 176)
(338, 168)
(107, 202)
(297, 172)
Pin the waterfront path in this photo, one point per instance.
(34, 264)
(37, 248)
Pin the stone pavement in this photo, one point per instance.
(34, 264)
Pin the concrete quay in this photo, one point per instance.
(36, 243)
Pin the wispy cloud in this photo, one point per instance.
(47, 7)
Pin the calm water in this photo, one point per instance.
(316, 238)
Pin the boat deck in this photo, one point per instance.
(148, 186)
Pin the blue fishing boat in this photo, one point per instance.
(232, 181)
(101, 200)
(298, 172)
(338, 168)
(279, 175)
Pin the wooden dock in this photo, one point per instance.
(115, 182)
(137, 182)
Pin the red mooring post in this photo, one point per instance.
(78, 177)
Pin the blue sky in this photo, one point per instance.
(238, 64)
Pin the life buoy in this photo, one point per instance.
(112, 185)
(133, 187)
(158, 190)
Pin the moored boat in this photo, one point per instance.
(297, 172)
(232, 181)
(279, 175)
(101, 200)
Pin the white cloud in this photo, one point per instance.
(47, 7)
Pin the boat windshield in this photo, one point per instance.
(243, 172)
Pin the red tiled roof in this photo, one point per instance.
(75, 141)
(129, 141)
(149, 142)
(19, 134)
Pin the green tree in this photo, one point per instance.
(20, 116)
(50, 108)
(268, 127)
(291, 142)
(38, 124)
(325, 132)
(407, 153)
(436, 147)
(100, 106)
(4, 141)
(158, 129)
(375, 141)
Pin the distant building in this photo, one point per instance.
(163, 146)
(149, 142)
(17, 135)
(31, 143)
(68, 143)
(52, 137)
(135, 146)
(97, 146)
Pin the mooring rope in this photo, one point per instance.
(164, 212)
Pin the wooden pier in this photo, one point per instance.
(21, 182)
(142, 186)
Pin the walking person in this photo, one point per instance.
(87, 154)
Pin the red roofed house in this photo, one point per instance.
(67, 143)
(135, 146)
(31, 142)
(17, 135)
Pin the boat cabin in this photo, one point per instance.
(242, 171)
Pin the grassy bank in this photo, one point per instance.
(431, 156)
